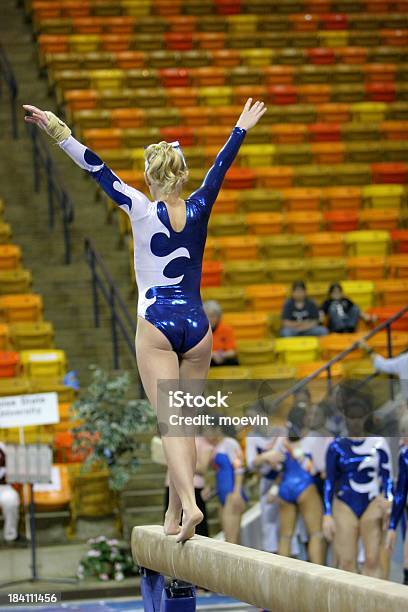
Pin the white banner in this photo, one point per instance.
(30, 409)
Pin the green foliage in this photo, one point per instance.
(110, 425)
(107, 559)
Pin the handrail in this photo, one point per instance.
(7, 73)
(43, 161)
(121, 319)
(328, 365)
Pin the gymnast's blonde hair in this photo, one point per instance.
(166, 167)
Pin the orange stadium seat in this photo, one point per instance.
(329, 244)
(10, 256)
(266, 297)
(399, 241)
(341, 220)
(262, 223)
(9, 364)
(303, 198)
(383, 313)
(251, 325)
(392, 291)
(238, 247)
(343, 197)
(211, 273)
(398, 265)
(27, 307)
(360, 268)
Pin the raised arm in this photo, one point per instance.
(211, 185)
(126, 197)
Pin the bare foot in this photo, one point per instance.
(190, 520)
(172, 523)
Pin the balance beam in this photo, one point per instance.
(263, 579)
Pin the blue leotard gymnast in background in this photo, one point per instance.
(357, 471)
(401, 489)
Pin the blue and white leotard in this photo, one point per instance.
(357, 470)
(167, 263)
(295, 479)
(401, 490)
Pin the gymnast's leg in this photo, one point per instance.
(157, 361)
(371, 532)
(194, 366)
(287, 523)
(310, 506)
(346, 536)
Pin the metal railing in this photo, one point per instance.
(44, 167)
(328, 366)
(7, 73)
(122, 322)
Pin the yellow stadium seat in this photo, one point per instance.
(262, 223)
(398, 265)
(228, 372)
(326, 268)
(393, 291)
(27, 335)
(366, 266)
(243, 271)
(260, 200)
(280, 376)
(368, 242)
(43, 363)
(255, 352)
(24, 307)
(325, 244)
(231, 299)
(248, 325)
(215, 96)
(285, 270)
(384, 196)
(18, 385)
(15, 281)
(44, 384)
(10, 256)
(257, 58)
(107, 79)
(227, 225)
(293, 351)
(369, 112)
(5, 233)
(333, 344)
(282, 245)
(360, 292)
(266, 297)
(317, 290)
(254, 155)
(238, 247)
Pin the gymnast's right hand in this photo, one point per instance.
(251, 114)
(48, 122)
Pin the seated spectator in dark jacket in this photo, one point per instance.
(342, 314)
(224, 350)
(300, 315)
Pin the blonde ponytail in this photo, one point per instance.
(166, 167)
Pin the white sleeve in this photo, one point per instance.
(129, 199)
(389, 366)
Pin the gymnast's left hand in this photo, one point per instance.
(47, 121)
(35, 115)
(251, 114)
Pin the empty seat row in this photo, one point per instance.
(219, 23)
(42, 9)
(288, 61)
(188, 41)
(214, 76)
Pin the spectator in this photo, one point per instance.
(398, 366)
(224, 350)
(300, 315)
(9, 502)
(342, 314)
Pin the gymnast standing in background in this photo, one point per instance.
(173, 338)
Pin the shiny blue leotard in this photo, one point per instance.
(357, 471)
(401, 490)
(226, 454)
(295, 479)
(168, 263)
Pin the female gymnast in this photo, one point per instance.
(358, 470)
(400, 498)
(297, 490)
(173, 338)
